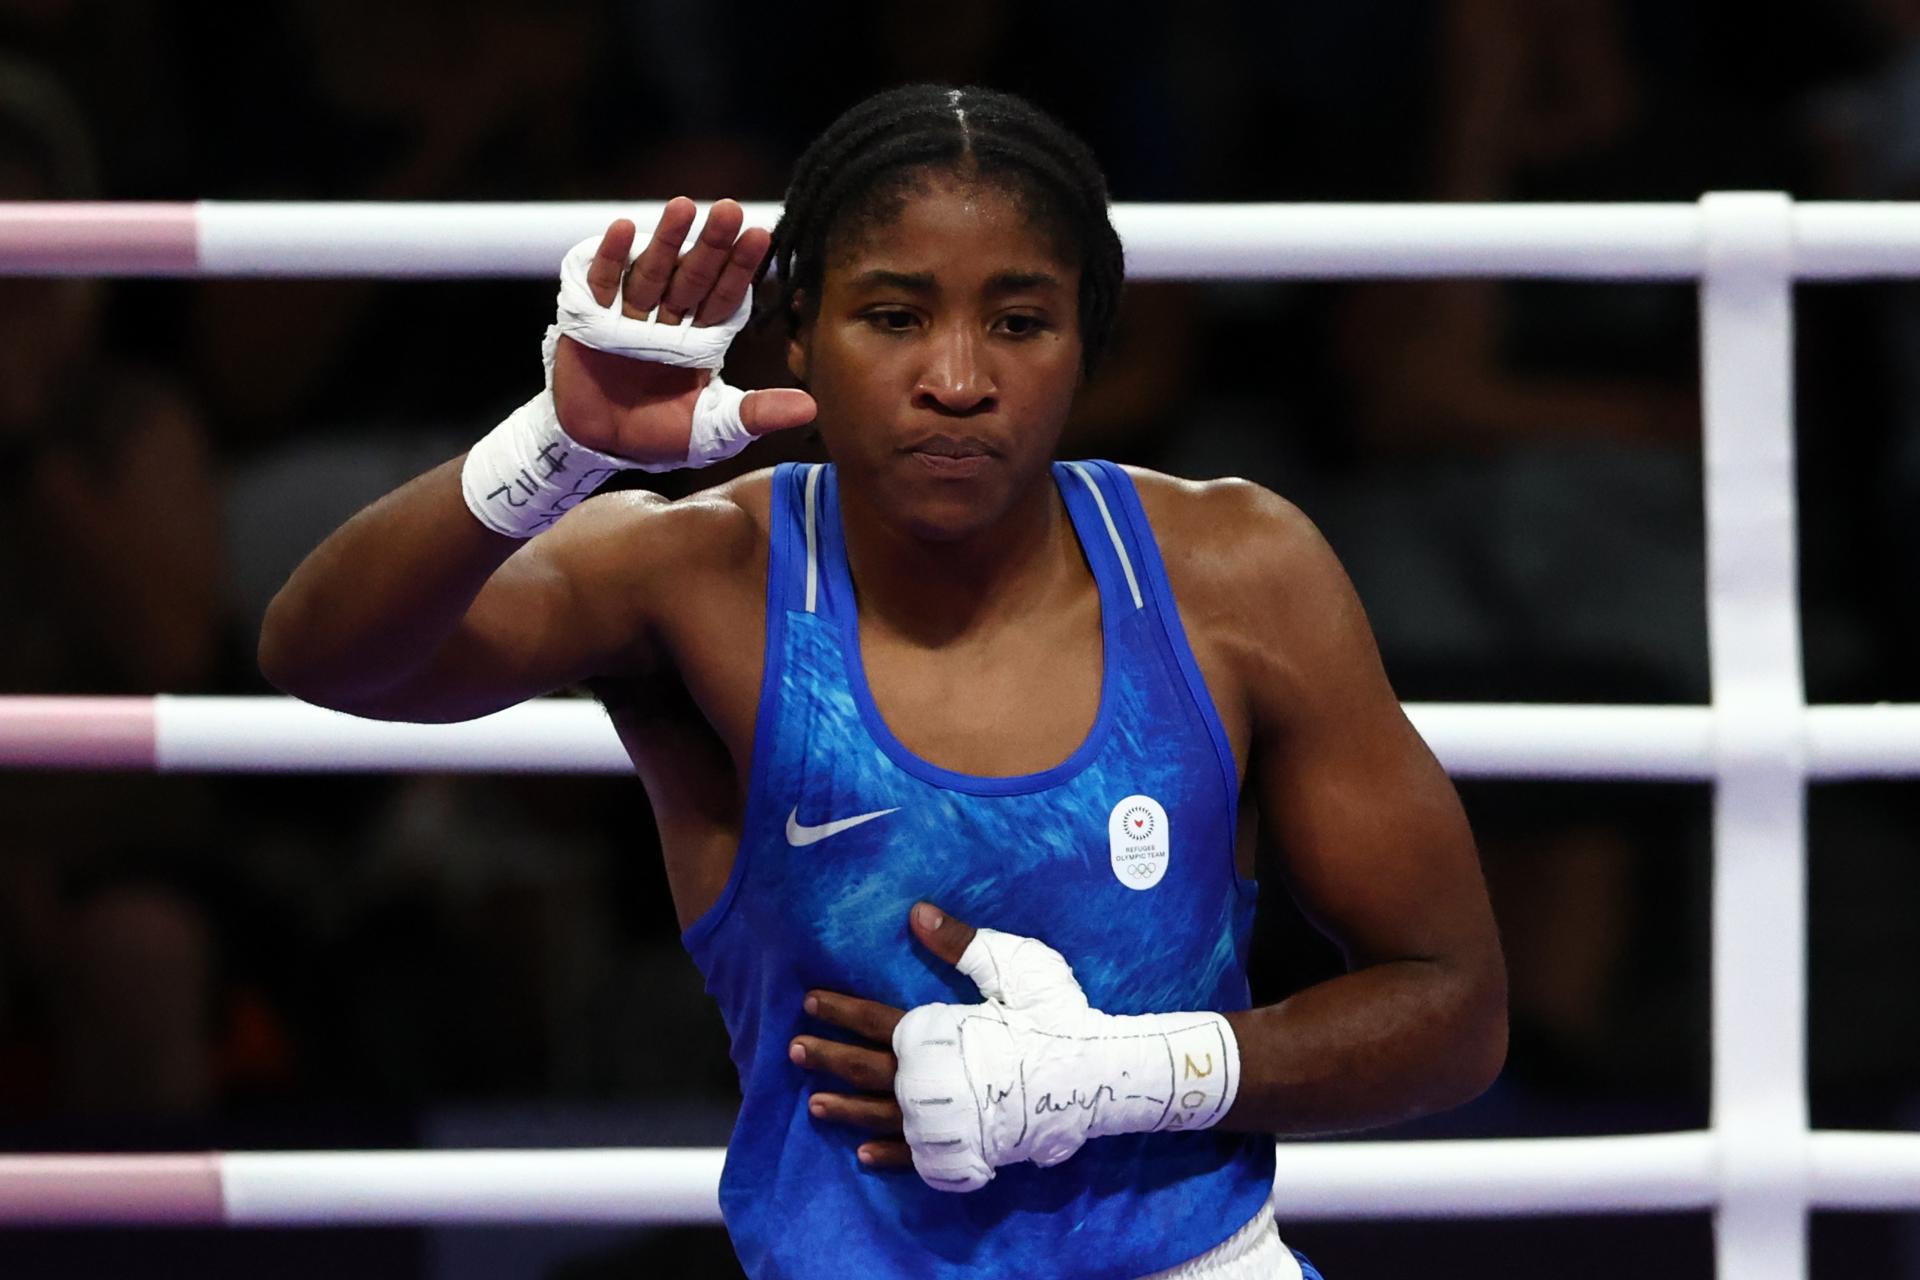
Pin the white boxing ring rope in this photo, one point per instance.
(1759, 1165)
(201, 734)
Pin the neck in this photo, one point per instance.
(934, 592)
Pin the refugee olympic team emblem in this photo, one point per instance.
(1137, 842)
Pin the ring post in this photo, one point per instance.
(1759, 1108)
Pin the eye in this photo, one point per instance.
(891, 319)
(1019, 324)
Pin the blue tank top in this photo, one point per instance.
(1153, 925)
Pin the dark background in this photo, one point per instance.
(1509, 470)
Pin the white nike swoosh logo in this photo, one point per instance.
(798, 835)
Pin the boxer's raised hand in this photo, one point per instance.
(640, 409)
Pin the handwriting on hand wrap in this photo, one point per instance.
(1046, 1102)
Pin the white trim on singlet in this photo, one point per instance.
(813, 544)
(1119, 548)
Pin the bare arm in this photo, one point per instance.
(414, 610)
(1376, 851)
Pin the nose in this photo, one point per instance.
(956, 378)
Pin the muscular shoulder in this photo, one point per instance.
(636, 571)
(1232, 536)
(635, 536)
(1252, 573)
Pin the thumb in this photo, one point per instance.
(940, 933)
(782, 407)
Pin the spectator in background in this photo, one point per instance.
(110, 569)
(491, 100)
(1866, 131)
(116, 60)
(1530, 442)
(1524, 520)
(457, 895)
(1861, 451)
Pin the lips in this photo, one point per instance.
(952, 457)
(943, 446)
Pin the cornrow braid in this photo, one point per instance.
(859, 170)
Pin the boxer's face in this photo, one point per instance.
(944, 352)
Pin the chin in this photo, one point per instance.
(943, 517)
(936, 502)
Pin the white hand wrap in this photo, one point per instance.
(1033, 1072)
(528, 472)
(604, 329)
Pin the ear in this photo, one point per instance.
(800, 345)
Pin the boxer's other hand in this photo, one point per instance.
(870, 1070)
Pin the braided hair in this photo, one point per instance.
(860, 171)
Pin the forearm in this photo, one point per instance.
(373, 601)
(1373, 1047)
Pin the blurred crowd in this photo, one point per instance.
(1510, 471)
